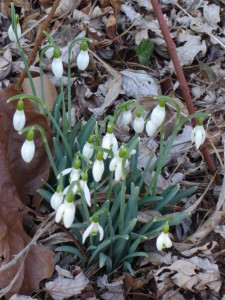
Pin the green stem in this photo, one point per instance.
(122, 206)
(65, 120)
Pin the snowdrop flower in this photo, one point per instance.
(74, 172)
(93, 229)
(198, 133)
(56, 200)
(66, 212)
(83, 57)
(109, 141)
(11, 33)
(158, 114)
(116, 163)
(85, 189)
(150, 128)
(57, 65)
(163, 241)
(139, 122)
(127, 116)
(19, 118)
(88, 149)
(28, 147)
(98, 167)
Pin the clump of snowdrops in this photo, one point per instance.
(90, 162)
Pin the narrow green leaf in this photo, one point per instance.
(144, 51)
(72, 250)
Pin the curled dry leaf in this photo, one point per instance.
(27, 177)
(65, 285)
(5, 64)
(115, 289)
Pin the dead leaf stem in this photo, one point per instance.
(38, 41)
(182, 80)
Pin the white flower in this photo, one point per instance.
(93, 229)
(150, 128)
(49, 52)
(88, 150)
(85, 189)
(19, 119)
(116, 165)
(127, 116)
(56, 200)
(158, 115)
(66, 211)
(198, 135)
(11, 33)
(27, 151)
(109, 141)
(138, 124)
(57, 67)
(83, 60)
(98, 170)
(163, 241)
(75, 175)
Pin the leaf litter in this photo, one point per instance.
(197, 28)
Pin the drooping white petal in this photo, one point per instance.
(101, 232)
(59, 213)
(198, 135)
(118, 171)
(163, 241)
(19, 119)
(113, 163)
(98, 170)
(27, 151)
(110, 142)
(11, 33)
(57, 67)
(127, 117)
(138, 124)
(56, 200)
(150, 128)
(65, 172)
(49, 52)
(87, 232)
(114, 144)
(69, 214)
(88, 150)
(75, 175)
(82, 60)
(86, 191)
(158, 115)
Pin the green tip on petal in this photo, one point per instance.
(84, 46)
(138, 113)
(199, 121)
(99, 155)
(122, 152)
(85, 177)
(17, 18)
(69, 197)
(166, 227)
(77, 163)
(30, 135)
(56, 53)
(162, 103)
(91, 139)
(20, 105)
(94, 219)
(110, 128)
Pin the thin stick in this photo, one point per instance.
(180, 75)
(37, 44)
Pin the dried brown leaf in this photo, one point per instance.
(5, 64)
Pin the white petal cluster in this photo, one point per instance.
(57, 67)
(198, 135)
(66, 212)
(109, 142)
(93, 229)
(88, 150)
(127, 117)
(49, 52)
(83, 60)
(138, 124)
(98, 170)
(56, 200)
(28, 150)
(19, 119)
(156, 120)
(163, 241)
(11, 33)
